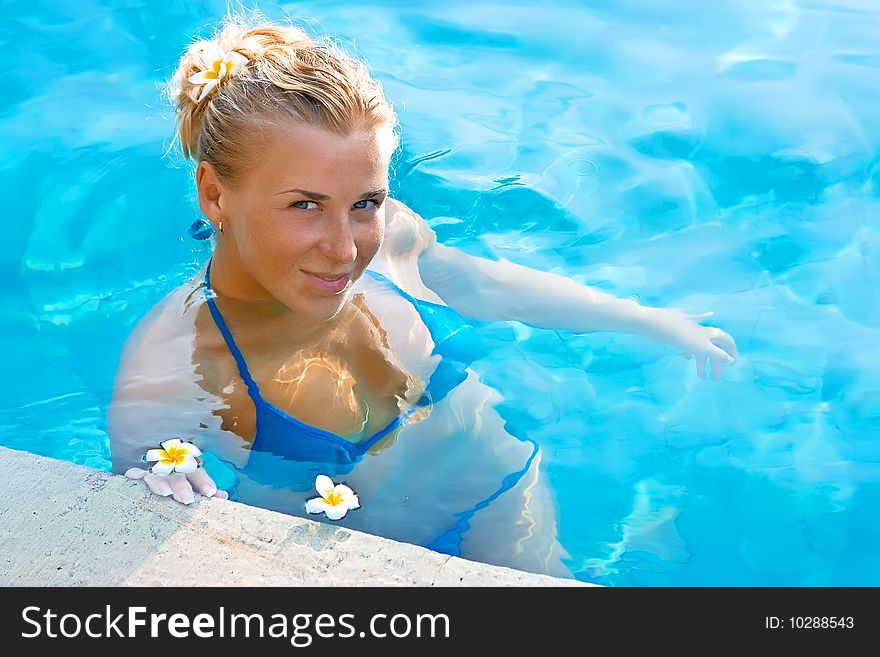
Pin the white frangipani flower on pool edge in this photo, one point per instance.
(176, 455)
(335, 501)
(220, 65)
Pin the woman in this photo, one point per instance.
(326, 333)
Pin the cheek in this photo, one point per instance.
(270, 252)
(274, 239)
(371, 236)
(253, 235)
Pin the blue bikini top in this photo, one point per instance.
(281, 434)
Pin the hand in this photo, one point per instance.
(694, 340)
(178, 485)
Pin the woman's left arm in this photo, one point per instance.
(500, 290)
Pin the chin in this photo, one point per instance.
(327, 312)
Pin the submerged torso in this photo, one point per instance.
(435, 479)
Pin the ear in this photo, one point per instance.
(210, 193)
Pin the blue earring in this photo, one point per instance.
(201, 230)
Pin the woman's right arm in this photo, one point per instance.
(493, 290)
(153, 401)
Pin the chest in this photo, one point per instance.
(376, 366)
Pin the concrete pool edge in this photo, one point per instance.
(63, 524)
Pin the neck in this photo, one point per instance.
(231, 278)
(248, 306)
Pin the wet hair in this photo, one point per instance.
(289, 76)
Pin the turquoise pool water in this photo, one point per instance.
(708, 156)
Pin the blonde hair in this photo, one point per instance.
(288, 75)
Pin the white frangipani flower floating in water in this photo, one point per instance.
(335, 501)
(176, 455)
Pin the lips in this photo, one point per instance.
(328, 281)
(328, 277)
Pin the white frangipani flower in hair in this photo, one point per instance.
(220, 65)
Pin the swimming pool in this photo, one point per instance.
(719, 157)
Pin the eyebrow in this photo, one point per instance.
(317, 196)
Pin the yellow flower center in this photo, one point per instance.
(175, 455)
(214, 73)
(334, 498)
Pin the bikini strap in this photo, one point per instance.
(443, 322)
(449, 542)
(382, 277)
(253, 388)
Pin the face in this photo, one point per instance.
(303, 224)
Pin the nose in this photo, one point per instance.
(338, 240)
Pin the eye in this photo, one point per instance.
(375, 203)
(296, 204)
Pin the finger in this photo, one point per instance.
(222, 494)
(135, 473)
(718, 353)
(202, 481)
(726, 342)
(701, 365)
(158, 484)
(718, 367)
(180, 488)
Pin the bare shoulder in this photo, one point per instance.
(156, 393)
(406, 232)
(407, 237)
(156, 342)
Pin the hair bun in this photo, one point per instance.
(248, 72)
